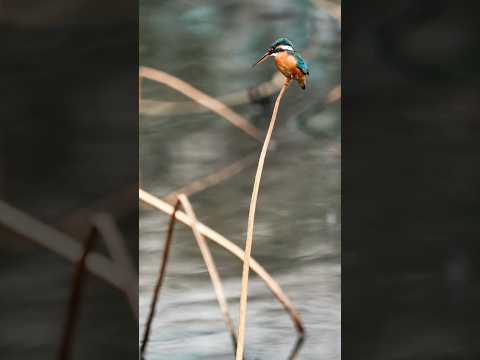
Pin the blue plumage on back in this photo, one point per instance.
(301, 64)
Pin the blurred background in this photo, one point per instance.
(68, 151)
(212, 45)
(410, 180)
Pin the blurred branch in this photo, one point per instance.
(203, 99)
(252, 95)
(118, 204)
(213, 179)
(116, 245)
(57, 242)
(334, 95)
(257, 94)
(119, 273)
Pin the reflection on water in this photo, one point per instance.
(212, 44)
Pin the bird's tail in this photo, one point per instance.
(302, 82)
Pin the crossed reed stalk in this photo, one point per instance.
(209, 262)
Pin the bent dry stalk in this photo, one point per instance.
(203, 99)
(251, 222)
(211, 267)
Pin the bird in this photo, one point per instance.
(287, 60)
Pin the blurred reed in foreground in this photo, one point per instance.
(117, 271)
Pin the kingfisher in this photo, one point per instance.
(288, 61)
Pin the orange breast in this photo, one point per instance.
(287, 65)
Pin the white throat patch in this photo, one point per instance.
(286, 47)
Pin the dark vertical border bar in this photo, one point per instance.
(68, 155)
(410, 180)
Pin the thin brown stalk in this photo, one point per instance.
(161, 276)
(251, 222)
(211, 234)
(296, 348)
(212, 179)
(75, 297)
(211, 267)
(203, 99)
(116, 245)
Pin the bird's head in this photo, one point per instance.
(278, 46)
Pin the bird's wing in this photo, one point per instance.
(301, 64)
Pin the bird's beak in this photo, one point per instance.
(264, 57)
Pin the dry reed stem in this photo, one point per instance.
(211, 267)
(246, 96)
(75, 297)
(117, 248)
(211, 234)
(161, 276)
(212, 179)
(59, 243)
(203, 99)
(251, 222)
